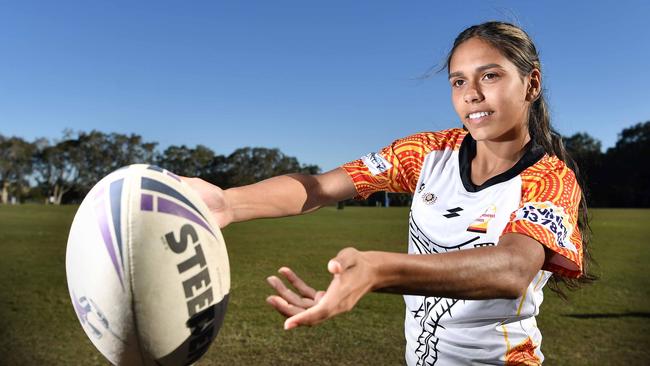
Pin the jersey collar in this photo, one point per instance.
(467, 152)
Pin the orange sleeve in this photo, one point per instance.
(396, 168)
(548, 213)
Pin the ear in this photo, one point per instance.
(534, 85)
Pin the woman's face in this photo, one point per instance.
(489, 95)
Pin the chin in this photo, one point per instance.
(493, 132)
(479, 134)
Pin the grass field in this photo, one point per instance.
(605, 324)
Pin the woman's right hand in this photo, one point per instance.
(214, 197)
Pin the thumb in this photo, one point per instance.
(334, 266)
(344, 260)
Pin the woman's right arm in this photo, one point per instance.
(284, 195)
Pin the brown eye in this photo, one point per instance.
(457, 83)
(490, 76)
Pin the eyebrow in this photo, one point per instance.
(478, 69)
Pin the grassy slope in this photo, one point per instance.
(607, 323)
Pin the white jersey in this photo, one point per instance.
(538, 197)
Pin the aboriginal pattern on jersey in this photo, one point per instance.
(432, 309)
(429, 314)
(406, 157)
(523, 354)
(549, 188)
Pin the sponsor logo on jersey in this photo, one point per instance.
(376, 163)
(480, 225)
(552, 218)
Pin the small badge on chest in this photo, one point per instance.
(429, 198)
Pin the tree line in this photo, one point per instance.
(618, 177)
(63, 171)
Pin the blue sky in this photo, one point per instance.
(325, 81)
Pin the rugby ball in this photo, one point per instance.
(147, 269)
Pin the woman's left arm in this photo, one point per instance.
(502, 271)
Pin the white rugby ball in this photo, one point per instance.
(147, 269)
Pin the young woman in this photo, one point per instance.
(495, 215)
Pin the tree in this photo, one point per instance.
(130, 149)
(310, 169)
(96, 154)
(66, 170)
(627, 176)
(183, 160)
(586, 151)
(582, 146)
(251, 164)
(216, 171)
(635, 138)
(80, 160)
(56, 168)
(15, 166)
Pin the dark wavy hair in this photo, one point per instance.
(515, 44)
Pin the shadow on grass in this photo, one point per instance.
(632, 314)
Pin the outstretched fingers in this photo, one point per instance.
(283, 307)
(300, 285)
(327, 306)
(312, 316)
(350, 282)
(288, 295)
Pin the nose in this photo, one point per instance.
(472, 94)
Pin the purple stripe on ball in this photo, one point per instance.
(100, 212)
(156, 186)
(115, 194)
(167, 206)
(146, 202)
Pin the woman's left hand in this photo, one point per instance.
(354, 276)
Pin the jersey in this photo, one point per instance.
(537, 197)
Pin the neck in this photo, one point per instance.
(495, 157)
(491, 152)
